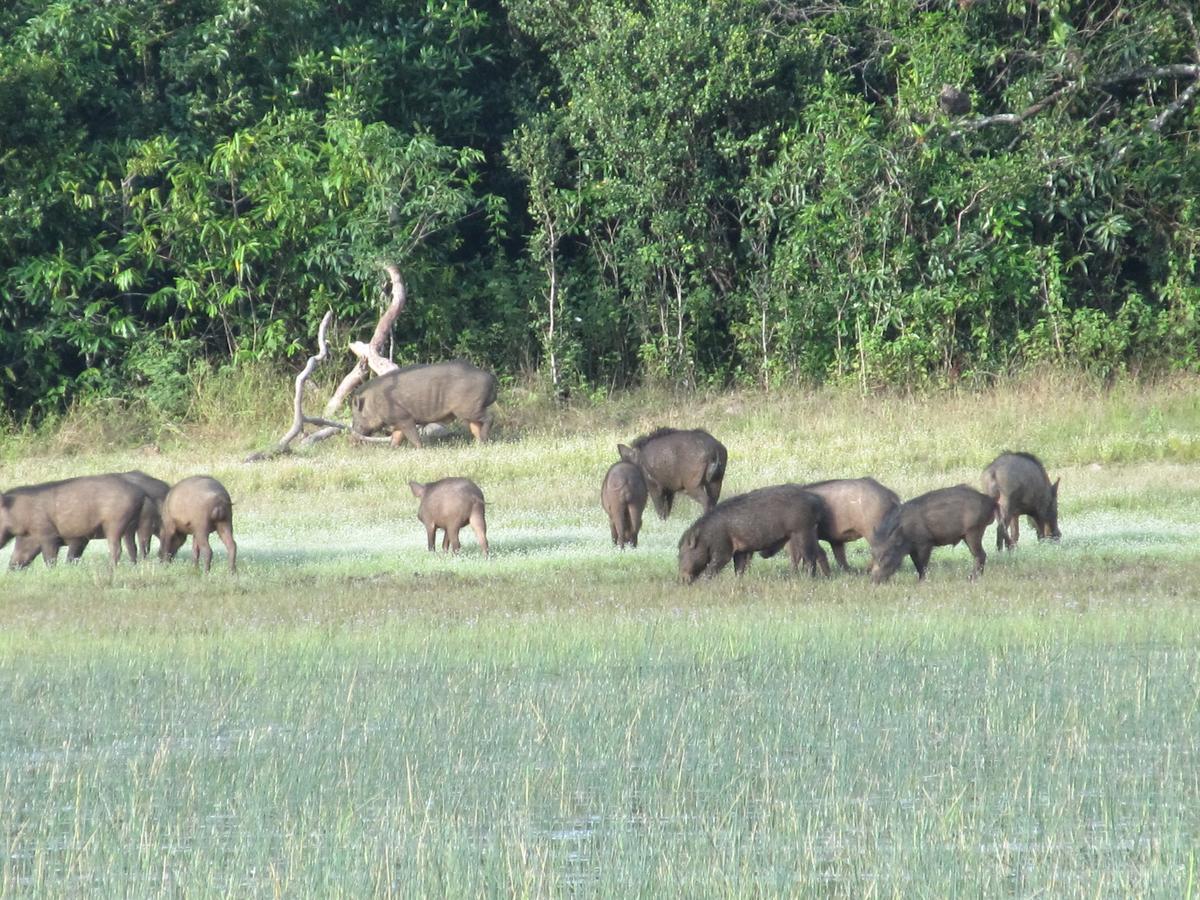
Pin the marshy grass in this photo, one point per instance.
(353, 716)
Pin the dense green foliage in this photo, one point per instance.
(608, 191)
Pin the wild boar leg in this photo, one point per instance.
(477, 431)
(974, 540)
(1014, 531)
(741, 560)
(408, 428)
(634, 514)
(130, 540)
(75, 548)
(25, 550)
(1002, 538)
(822, 560)
(839, 554)
(663, 499)
(431, 536)
(114, 547)
(144, 533)
(803, 546)
(201, 548)
(920, 557)
(452, 538)
(718, 559)
(700, 495)
(225, 533)
(617, 537)
(479, 526)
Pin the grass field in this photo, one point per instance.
(353, 716)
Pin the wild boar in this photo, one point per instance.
(623, 497)
(198, 506)
(762, 520)
(450, 504)
(149, 520)
(939, 518)
(854, 509)
(422, 394)
(672, 460)
(45, 516)
(1020, 486)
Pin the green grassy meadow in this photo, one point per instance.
(352, 716)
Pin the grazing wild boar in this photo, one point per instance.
(450, 504)
(417, 395)
(43, 517)
(854, 509)
(198, 506)
(623, 496)
(940, 518)
(763, 521)
(672, 460)
(149, 520)
(1020, 486)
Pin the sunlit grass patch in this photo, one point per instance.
(351, 714)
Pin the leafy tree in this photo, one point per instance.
(608, 190)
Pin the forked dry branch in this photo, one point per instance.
(370, 357)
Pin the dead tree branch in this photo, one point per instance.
(299, 419)
(370, 357)
(370, 354)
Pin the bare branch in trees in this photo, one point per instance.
(1180, 102)
(1177, 71)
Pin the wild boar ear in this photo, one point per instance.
(626, 453)
(1054, 487)
(417, 488)
(689, 540)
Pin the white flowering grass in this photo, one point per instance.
(353, 716)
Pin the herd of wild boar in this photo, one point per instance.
(118, 507)
(767, 519)
(128, 508)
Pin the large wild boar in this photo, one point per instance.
(198, 506)
(854, 509)
(623, 496)
(450, 504)
(149, 520)
(763, 521)
(672, 461)
(43, 517)
(939, 518)
(1020, 486)
(417, 395)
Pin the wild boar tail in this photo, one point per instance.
(715, 470)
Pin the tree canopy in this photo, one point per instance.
(606, 190)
